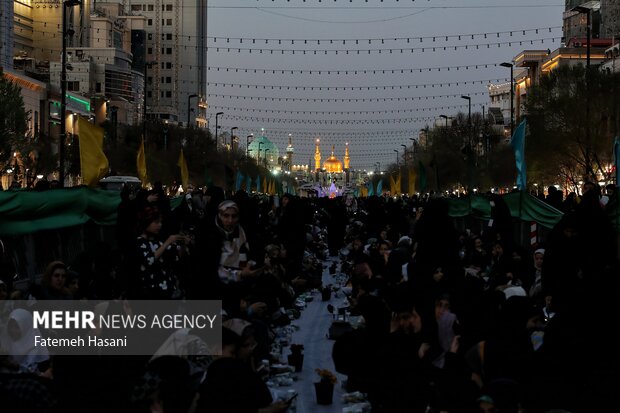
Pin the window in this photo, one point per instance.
(168, 7)
(151, 7)
(168, 79)
(149, 22)
(162, 65)
(98, 87)
(169, 50)
(168, 93)
(161, 94)
(136, 7)
(149, 94)
(168, 36)
(168, 22)
(149, 80)
(163, 79)
(73, 86)
(168, 65)
(149, 50)
(149, 36)
(163, 50)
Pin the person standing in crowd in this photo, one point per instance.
(223, 264)
(154, 260)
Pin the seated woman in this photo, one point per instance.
(54, 279)
(231, 384)
(19, 342)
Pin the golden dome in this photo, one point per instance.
(332, 164)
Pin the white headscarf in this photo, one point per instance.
(23, 350)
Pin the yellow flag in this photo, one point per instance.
(93, 162)
(184, 172)
(411, 181)
(141, 164)
(399, 185)
(265, 189)
(392, 186)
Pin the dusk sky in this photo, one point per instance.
(378, 122)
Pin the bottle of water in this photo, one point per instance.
(289, 395)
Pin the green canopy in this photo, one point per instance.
(522, 205)
(25, 212)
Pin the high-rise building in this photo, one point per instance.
(610, 19)
(6, 34)
(575, 23)
(176, 40)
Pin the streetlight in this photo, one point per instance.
(446, 117)
(414, 147)
(468, 98)
(404, 152)
(63, 89)
(146, 66)
(396, 150)
(266, 150)
(188, 110)
(469, 149)
(217, 127)
(247, 144)
(232, 137)
(512, 95)
(586, 11)
(260, 144)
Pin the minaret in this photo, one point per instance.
(317, 156)
(289, 153)
(347, 160)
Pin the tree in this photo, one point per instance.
(564, 146)
(13, 119)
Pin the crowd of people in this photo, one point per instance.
(453, 321)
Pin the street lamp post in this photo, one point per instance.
(218, 114)
(404, 152)
(266, 150)
(146, 66)
(446, 118)
(188, 109)
(512, 95)
(396, 150)
(247, 144)
(232, 138)
(587, 12)
(468, 98)
(63, 89)
(469, 148)
(260, 144)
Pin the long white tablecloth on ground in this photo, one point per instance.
(312, 333)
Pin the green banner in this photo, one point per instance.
(522, 205)
(24, 212)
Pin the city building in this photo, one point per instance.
(176, 44)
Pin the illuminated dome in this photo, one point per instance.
(266, 147)
(332, 164)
